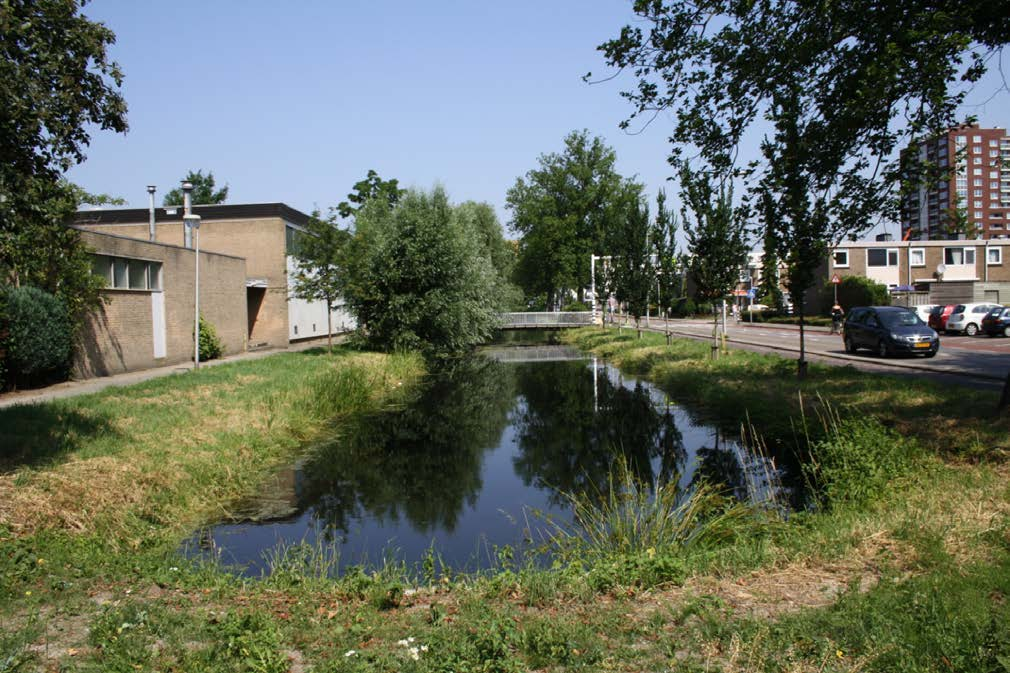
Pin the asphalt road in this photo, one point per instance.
(979, 361)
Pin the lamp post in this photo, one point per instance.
(192, 224)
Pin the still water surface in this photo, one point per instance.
(477, 459)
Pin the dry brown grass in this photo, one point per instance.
(179, 456)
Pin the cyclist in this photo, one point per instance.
(837, 315)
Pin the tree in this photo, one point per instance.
(716, 237)
(667, 259)
(832, 77)
(416, 277)
(56, 85)
(481, 218)
(718, 66)
(203, 190)
(630, 276)
(320, 272)
(769, 292)
(800, 207)
(372, 187)
(562, 210)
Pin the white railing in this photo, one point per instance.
(534, 319)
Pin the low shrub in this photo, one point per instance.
(855, 291)
(210, 343)
(576, 306)
(856, 459)
(39, 335)
(704, 308)
(683, 307)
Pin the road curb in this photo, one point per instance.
(836, 356)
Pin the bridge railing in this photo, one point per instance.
(546, 319)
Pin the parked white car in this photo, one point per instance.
(922, 310)
(967, 318)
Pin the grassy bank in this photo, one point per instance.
(903, 566)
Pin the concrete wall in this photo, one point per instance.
(120, 335)
(307, 319)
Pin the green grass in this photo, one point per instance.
(904, 568)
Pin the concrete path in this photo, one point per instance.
(85, 386)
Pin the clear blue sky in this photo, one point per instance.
(295, 101)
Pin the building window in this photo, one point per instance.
(994, 153)
(882, 257)
(291, 237)
(993, 142)
(977, 171)
(994, 255)
(959, 256)
(978, 192)
(122, 273)
(993, 185)
(917, 256)
(841, 259)
(976, 160)
(978, 213)
(993, 174)
(977, 182)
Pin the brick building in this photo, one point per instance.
(264, 235)
(938, 271)
(146, 319)
(976, 182)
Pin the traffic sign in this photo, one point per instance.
(835, 279)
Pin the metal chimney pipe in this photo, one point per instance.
(150, 208)
(187, 210)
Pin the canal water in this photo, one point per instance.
(478, 459)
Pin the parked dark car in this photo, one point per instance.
(888, 329)
(997, 322)
(939, 315)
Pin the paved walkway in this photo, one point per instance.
(85, 386)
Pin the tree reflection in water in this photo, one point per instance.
(531, 431)
(422, 462)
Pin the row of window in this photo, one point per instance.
(884, 257)
(124, 273)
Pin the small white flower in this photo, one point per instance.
(410, 640)
(173, 569)
(424, 648)
(403, 643)
(413, 654)
(349, 653)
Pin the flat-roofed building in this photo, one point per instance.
(264, 234)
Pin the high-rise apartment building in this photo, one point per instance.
(974, 190)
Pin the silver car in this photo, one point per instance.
(967, 318)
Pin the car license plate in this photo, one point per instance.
(924, 344)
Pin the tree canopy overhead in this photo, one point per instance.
(57, 85)
(563, 210)
(718, 67)
(204, 192)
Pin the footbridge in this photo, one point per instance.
(546, 319)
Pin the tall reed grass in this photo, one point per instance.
(633, 517)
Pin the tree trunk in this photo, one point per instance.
(329, 325)
(715, 335)
(801, 364)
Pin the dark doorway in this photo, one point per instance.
(254, 299)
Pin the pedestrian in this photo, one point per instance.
(837, 315)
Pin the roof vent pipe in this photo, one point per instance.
(187, 210)
(150, 209)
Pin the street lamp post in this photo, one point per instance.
(192, 224)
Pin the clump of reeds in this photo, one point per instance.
(633, 517)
